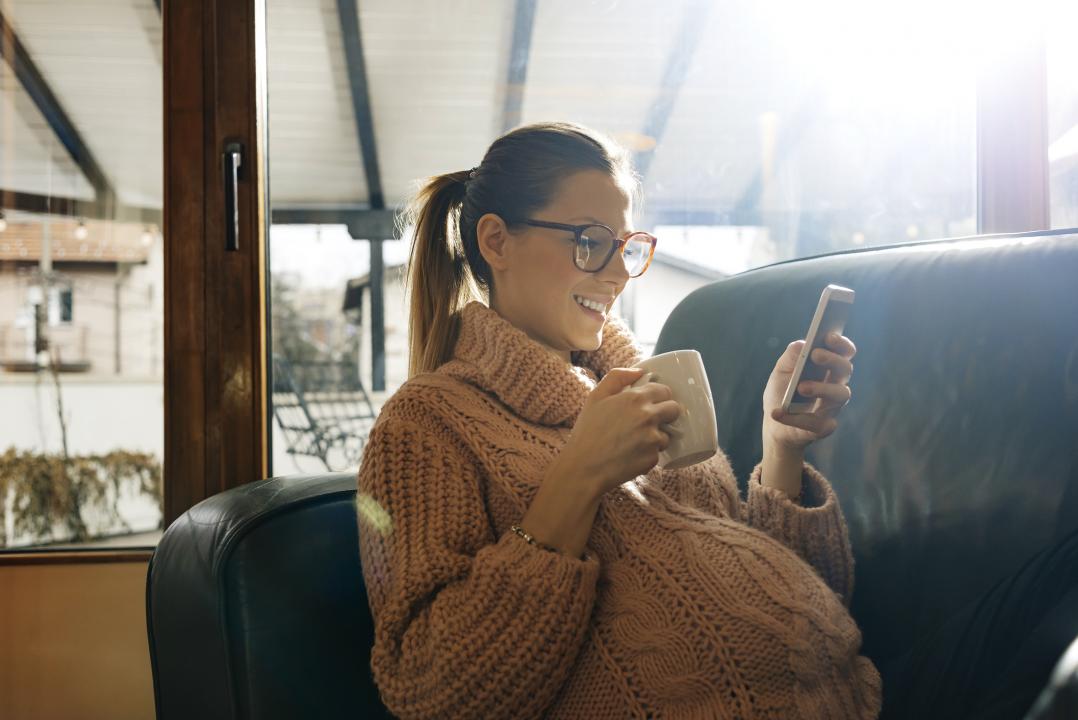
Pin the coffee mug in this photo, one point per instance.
(693, 436)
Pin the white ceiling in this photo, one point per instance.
(102, 60)
(437, 75)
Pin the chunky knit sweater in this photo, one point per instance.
(690, 603)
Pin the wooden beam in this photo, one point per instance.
(682, 50)
(348, 15)
(363, 224)
(517, 71)
(72, 207)
(31, 79)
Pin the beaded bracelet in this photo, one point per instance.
(532, 541)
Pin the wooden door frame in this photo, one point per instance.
(215, 313)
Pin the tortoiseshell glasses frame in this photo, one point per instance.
(617, 244)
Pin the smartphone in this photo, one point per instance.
(831, 314)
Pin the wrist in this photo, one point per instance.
(563, 510)
(778, 450)
(576, 479)
(782, 468)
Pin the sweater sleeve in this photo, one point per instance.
(816, 530)
(467, 624)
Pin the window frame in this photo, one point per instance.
(215, 381)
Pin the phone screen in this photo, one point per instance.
(833, 321)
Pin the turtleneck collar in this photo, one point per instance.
(499, 357)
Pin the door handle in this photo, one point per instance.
(232, 161)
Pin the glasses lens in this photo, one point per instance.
(593, 247)
(636, 252)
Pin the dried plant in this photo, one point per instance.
(53, 494)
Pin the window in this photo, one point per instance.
(763, 131)
(82, 432)
(1062, 59)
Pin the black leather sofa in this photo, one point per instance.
(957, 460)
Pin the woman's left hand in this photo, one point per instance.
(795, 432)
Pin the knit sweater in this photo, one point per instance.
(690, 602)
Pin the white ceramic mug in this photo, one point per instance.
(693, 436)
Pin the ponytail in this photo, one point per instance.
(441, 283)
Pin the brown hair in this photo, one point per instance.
(519, 175)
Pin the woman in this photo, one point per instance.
(533, 560)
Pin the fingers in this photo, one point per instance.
(814, 423)
(656, 391)
(840, 366)
(788, 360)
(842, 345)
(668, 411)
(663, 438)
(834, 395)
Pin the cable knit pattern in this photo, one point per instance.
(692, 603)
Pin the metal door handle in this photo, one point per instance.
(232, 160)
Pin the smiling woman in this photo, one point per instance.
(509, 561)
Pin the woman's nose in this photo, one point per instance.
(615, 270)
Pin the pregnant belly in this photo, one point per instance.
(721, 613)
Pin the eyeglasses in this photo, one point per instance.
(594, 245)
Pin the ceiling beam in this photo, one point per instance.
(348, 15)
(362, 223)
(682, 50)
(18, 58)
(72, 207)
(785, 141)
(517, 72)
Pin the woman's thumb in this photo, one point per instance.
(616, 380)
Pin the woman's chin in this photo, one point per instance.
(588, 342)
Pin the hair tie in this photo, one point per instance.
(471, 174)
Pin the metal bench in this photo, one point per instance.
(323, 410)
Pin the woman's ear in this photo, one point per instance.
(494, 241)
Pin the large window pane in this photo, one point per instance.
(1062, 61)
(81, 296)
(763, 130)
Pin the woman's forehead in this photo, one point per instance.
(593, 196)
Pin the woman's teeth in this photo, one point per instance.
(590, 304)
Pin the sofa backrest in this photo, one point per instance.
(957, 457)
(256, 606)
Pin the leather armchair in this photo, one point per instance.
(956, 460)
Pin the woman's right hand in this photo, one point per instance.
(618, 435)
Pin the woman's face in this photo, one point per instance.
(535, 279)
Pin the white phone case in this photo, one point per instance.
(830, 317)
